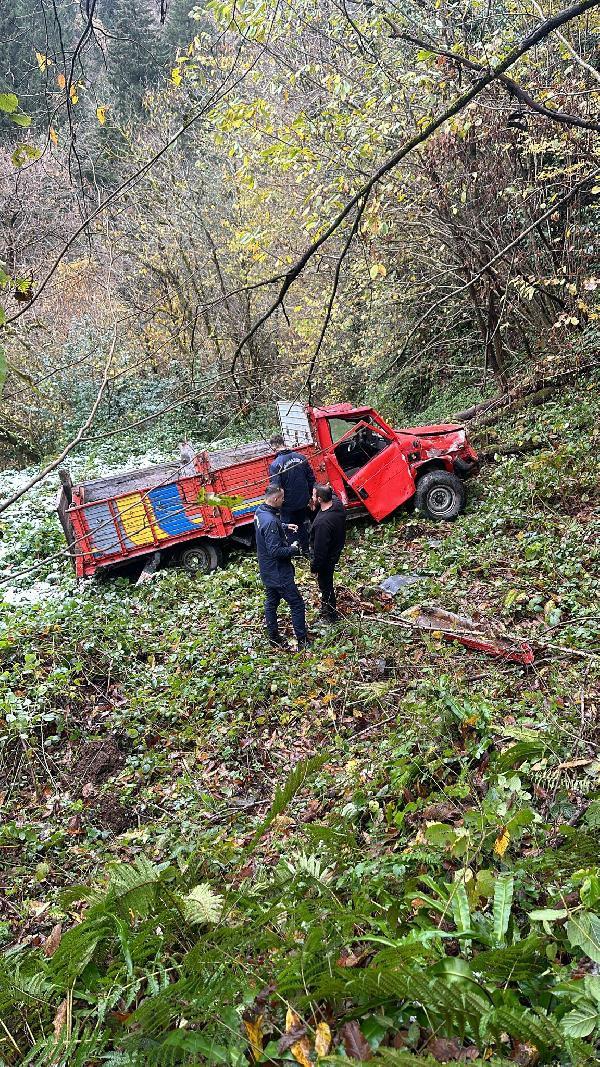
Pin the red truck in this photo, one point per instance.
(192, 508)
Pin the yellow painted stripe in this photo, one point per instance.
(135, 520)
(248, 503)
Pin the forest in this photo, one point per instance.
(384, 847)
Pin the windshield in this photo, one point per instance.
(338, 426)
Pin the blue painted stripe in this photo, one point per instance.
(169, 509)
(247, 507)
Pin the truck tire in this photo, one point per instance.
(440, 496)
(201, 558)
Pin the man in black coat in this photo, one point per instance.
(276, 568)
(327, 536)
(292, 471)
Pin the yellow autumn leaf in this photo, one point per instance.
(61, 81)
(255, 1035)
(300, 1050)
(73, 94)
(322, 1040)
(501, 843)
(176, 76)
(42, 61)
(53, 135)
(101, 113)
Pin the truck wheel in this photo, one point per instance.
(440, 495)
(202, 558)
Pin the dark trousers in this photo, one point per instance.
(286, 589)
(328, 599)
(300, 519)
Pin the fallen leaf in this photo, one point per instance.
(53, 940)
(53, 135)
(60, 1019)
(301, 1048)
(501, 843)
(355, 1043)
(444, 1049)
(74, 825)
(255, 1035)
(101, 113)
(61, 81)
(287, 1040)
(322, 1040)
(525, 1055)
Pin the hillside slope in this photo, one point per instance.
(423, 887)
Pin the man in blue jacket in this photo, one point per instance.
(276, 567)
(292, 471)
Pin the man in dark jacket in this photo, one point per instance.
(327, 536)
(276, 568)
(292, 471)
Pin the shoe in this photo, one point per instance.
(304, 642)
(277, 642)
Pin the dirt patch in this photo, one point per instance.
(97, 761)
(109, 814)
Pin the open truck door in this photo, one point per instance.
(372, 463)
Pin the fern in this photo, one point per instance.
(540, 1030)
(524, 960)
(132, 886)
(303, 770)
(76, 950)
(202, 905)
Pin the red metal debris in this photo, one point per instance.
(468, 632)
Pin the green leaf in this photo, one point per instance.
(21, 119)
(202, 905)
(582, 1021)
(461, 912)
(523, 960)
(583, 931)
(453, 968)
(503, 895)
(548, 914)
(23, 153)
(519, 753)
(8, 102)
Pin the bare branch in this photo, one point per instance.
(532, 39)
(4, 504)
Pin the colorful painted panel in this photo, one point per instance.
(171, 513)
(135, 520)
(103, 533)
(248, 507)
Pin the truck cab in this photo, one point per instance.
(372, 466)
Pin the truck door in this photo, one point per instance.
(374, 466)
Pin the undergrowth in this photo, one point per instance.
(386, 848)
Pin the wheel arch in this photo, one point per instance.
(432, 465)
